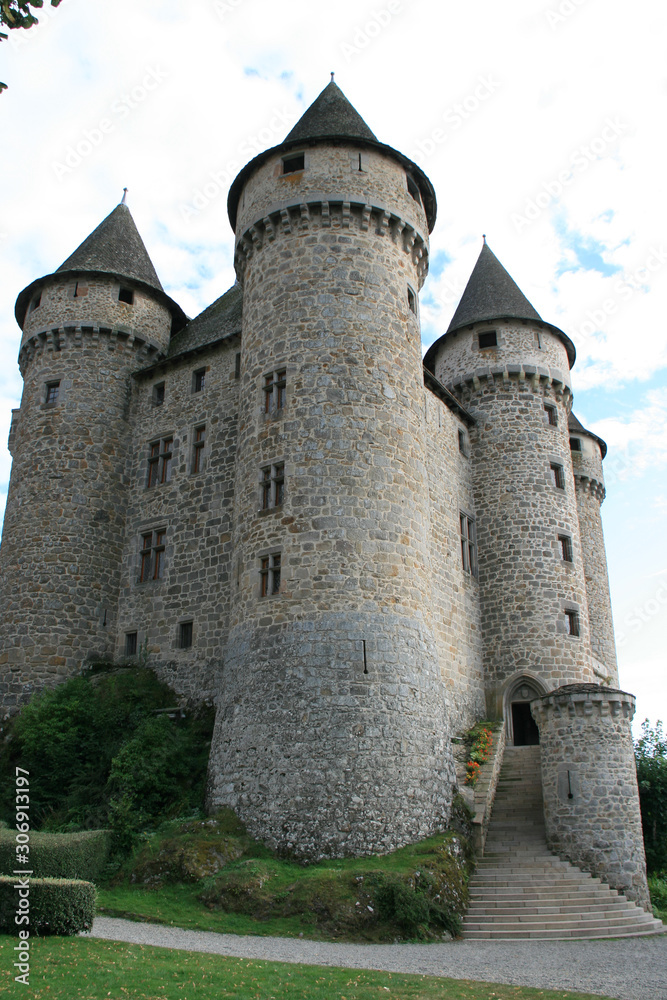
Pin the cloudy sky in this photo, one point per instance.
(540, 122)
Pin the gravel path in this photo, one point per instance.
(626, 969)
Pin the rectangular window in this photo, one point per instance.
(275, 384)
(130, 643)
(126, 295)
(272, 486)
(293, 163)
(488, 339)
(463, 442)
(468, 544)
(557, 476)
(52, 391)
(270, 574)
(412, 301)
(552, 414)
(198, 448)
(158, 394)
(159, 461)
(152, 555)
(80, 288)
(35, 302)
(575, 444)
(198, 380)
(572, 622)
(565, 545)
(237, 365)
(185, 635)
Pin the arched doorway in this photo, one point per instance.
(522, 729)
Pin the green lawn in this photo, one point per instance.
(90, 969)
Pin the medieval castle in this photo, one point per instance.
(356, 553)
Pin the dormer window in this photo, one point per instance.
(294, 163)
(126, 295)
(413, 190)
(488, 339)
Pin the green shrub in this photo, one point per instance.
(59, 855)
(658, 889)
(56, 906)
(115, 757)
(651, 757)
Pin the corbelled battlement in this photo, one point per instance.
(60, 340)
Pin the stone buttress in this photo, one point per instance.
(331, 736)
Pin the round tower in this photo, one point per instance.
(510, 369)
(587, 452)
(331, 736)
(86, 328)
(589, 784)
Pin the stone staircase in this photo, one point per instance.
(521, 890)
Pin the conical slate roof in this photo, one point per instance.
(575, 426)
(330, 114)
(115, 246)
(491, 293)
(332, 117)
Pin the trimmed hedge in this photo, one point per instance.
(80, 855)
(56, 906)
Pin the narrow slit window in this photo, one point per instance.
(412, 301)
(237, 365)
(198, 445)
(572, 622)
(199, 380)
(557, 476)
(552, 414)
(185, 635)
(468, 544)
(565, 546)
(80, 289)
(463, 442)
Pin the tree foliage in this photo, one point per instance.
(17, 14)
(651, 756)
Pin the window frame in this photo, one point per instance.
(186, 634)
(487, 333)
(159, 393)
(52, 386)
(270, 574)
(198, 448)
(468, 540)
(294, 157)
(575, 445)
(572, 623)
(152, 555)
(199, 379)
(565, 547)
(131, 643)
(160, 461)
(272, 486)
(126, 295)
(557, 475)
(275, 391)
(551, 410)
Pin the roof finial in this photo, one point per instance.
(484, 238)
(332, 76)
(124, 196)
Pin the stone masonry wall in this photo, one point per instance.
(195, 508)
(589, 483)
(526, 586)
(65, 517)
(321, 751)
(455, 593)
(589, 783)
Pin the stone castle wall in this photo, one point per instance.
(589, 783)
(526, 586)
(301, 710)
(589, 484)
(455, 593)
(194, 508)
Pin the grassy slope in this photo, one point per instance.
(90, 969)
(172, 880)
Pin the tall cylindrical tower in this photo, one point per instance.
(331, 735)
(511, 371)
(587, 451)
(86, 328)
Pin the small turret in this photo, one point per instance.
(86, 328)
(510, 369)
